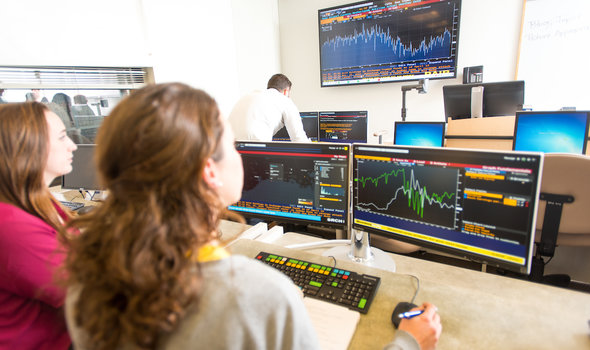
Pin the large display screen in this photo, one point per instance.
(305, 183)
(477, 204)
(387, 41)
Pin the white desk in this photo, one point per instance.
(478, 310)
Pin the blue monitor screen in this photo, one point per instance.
(551, 132)
(310, 125)
(427, 134)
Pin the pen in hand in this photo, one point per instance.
(410, 314)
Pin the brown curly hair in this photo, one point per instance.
(132, 260)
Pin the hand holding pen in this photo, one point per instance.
(423, 324)
(410, 314)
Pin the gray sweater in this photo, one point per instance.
(244, 305)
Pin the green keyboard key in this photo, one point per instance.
(315, 284)
(362, 303)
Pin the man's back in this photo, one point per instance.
(259, 115)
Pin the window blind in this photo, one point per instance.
(68, 77)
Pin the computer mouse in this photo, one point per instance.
(400, 308)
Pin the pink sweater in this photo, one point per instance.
(31, 308)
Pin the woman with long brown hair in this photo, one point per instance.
(34, 149)
(148, 270)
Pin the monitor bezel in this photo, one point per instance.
(444, 249)
(442, 124)
(521, 113)
(317, 128)
(355, 112)
(288, 220)
(317, 125)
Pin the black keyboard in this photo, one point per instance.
(72, 205)
(337, 286)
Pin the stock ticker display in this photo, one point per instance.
(381, 41)
(343, 126)
(295, 182)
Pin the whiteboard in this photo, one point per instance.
(554, 56)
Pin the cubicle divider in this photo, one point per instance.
(495, 133)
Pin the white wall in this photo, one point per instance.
(256, 31)
(227, 47)
(190, 42)
(222, 46)
(489, 36)
(72, 32)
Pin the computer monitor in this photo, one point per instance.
(551, 132)
(427, 134)
(480, 205)
(299, 183)
(383, 41)
(83, 175)
(310, 125)
(343, 126)
(498, 99)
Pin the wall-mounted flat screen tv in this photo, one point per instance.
(387, 41)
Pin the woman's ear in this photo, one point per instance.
(211, 174)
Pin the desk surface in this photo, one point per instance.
(478, 310)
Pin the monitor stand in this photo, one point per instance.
(360, 251)
(98, 196)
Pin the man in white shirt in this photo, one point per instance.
(259, 115)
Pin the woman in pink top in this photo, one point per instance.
(34, 149)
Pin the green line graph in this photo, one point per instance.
(416, 194)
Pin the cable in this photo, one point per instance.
(333, 258)
(81, 191)
(417, 287)
(548, 261)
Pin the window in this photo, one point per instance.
(80, 96)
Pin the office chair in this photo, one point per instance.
(82, 110)
(563, 218)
